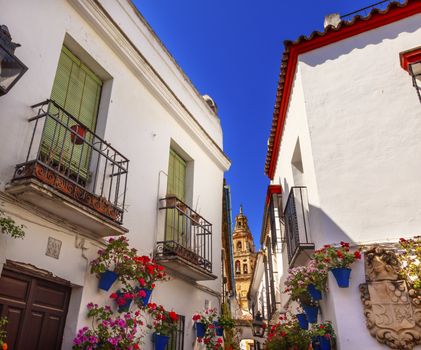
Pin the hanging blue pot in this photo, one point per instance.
(324, 343)
(126, 306)
(342, 275)
(315, 343)
(200, 329)
(107, 279)
(219, 330)
(314, 292)
(145, 300)
(302, 321)
(311, 313)
(160, 341)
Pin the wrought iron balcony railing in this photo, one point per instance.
(187, 234)
(65, 155)
(297, 223)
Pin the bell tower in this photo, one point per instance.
(244, 258)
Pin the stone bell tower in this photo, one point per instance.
(244, 258)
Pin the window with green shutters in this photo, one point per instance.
(176, 227)
(77, 90)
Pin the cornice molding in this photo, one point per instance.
(104, 25)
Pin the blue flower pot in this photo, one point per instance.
(311, 313)
(107, 279)
(324, 343)
(342, 275)
(200, 329)
(126, 306)
(302, 321)
(147, 297)
(314, 292)
(219, 330)
(315, 343)
(160, 341)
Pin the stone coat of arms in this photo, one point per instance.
(391, 306)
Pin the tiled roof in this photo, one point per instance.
(319, 39)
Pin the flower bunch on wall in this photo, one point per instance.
(410, 261)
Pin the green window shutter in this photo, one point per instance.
(77, 90)
(177, 176)
(177, 227)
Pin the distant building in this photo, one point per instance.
(244, 259)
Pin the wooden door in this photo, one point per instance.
(36, 309)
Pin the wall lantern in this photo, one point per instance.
(411, 62)
(11, 68)
(258, 325)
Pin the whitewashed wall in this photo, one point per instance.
(358, 120)
(137, 115)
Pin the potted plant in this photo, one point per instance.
(109, 332)
(286, 334)
(324, 335)
(301, 318)
(297, 285)
(3, 333)
(204, 320)
(164, 325)
(338, 259)
(225, 322)
(77, 136)
(147, 272)
(113, 262)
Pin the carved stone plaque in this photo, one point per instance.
(53, 247)
(391, 307)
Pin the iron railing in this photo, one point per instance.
(66, 155)
(296, 222)
(176, 341)
(187, 234)
(365, 11)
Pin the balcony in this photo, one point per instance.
(186, 245)
(71, 172)
(298, 239)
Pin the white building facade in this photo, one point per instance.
(345, 132)
(146, 134)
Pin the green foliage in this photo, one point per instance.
(9, 226)
(336, 256)
(117, 256)
(410, 258)
(286, 335)
(225, 320)
(3, 333)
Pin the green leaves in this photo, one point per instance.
(9, 226)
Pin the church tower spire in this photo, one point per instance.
(244, 259)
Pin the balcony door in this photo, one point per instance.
(177, 226)
(76, 90)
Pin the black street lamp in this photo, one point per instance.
(11, 68)
(258, 325)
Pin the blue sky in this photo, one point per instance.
(231, 50)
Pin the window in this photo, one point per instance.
(237, 267)
(176, 228)
(176, 341)
(176, 185)
(77, 90)
(239, 246)
(245, 269)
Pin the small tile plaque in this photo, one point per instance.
(53, 247)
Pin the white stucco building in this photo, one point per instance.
(148, 133)
(343, 148)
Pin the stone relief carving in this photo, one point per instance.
(391, 307)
